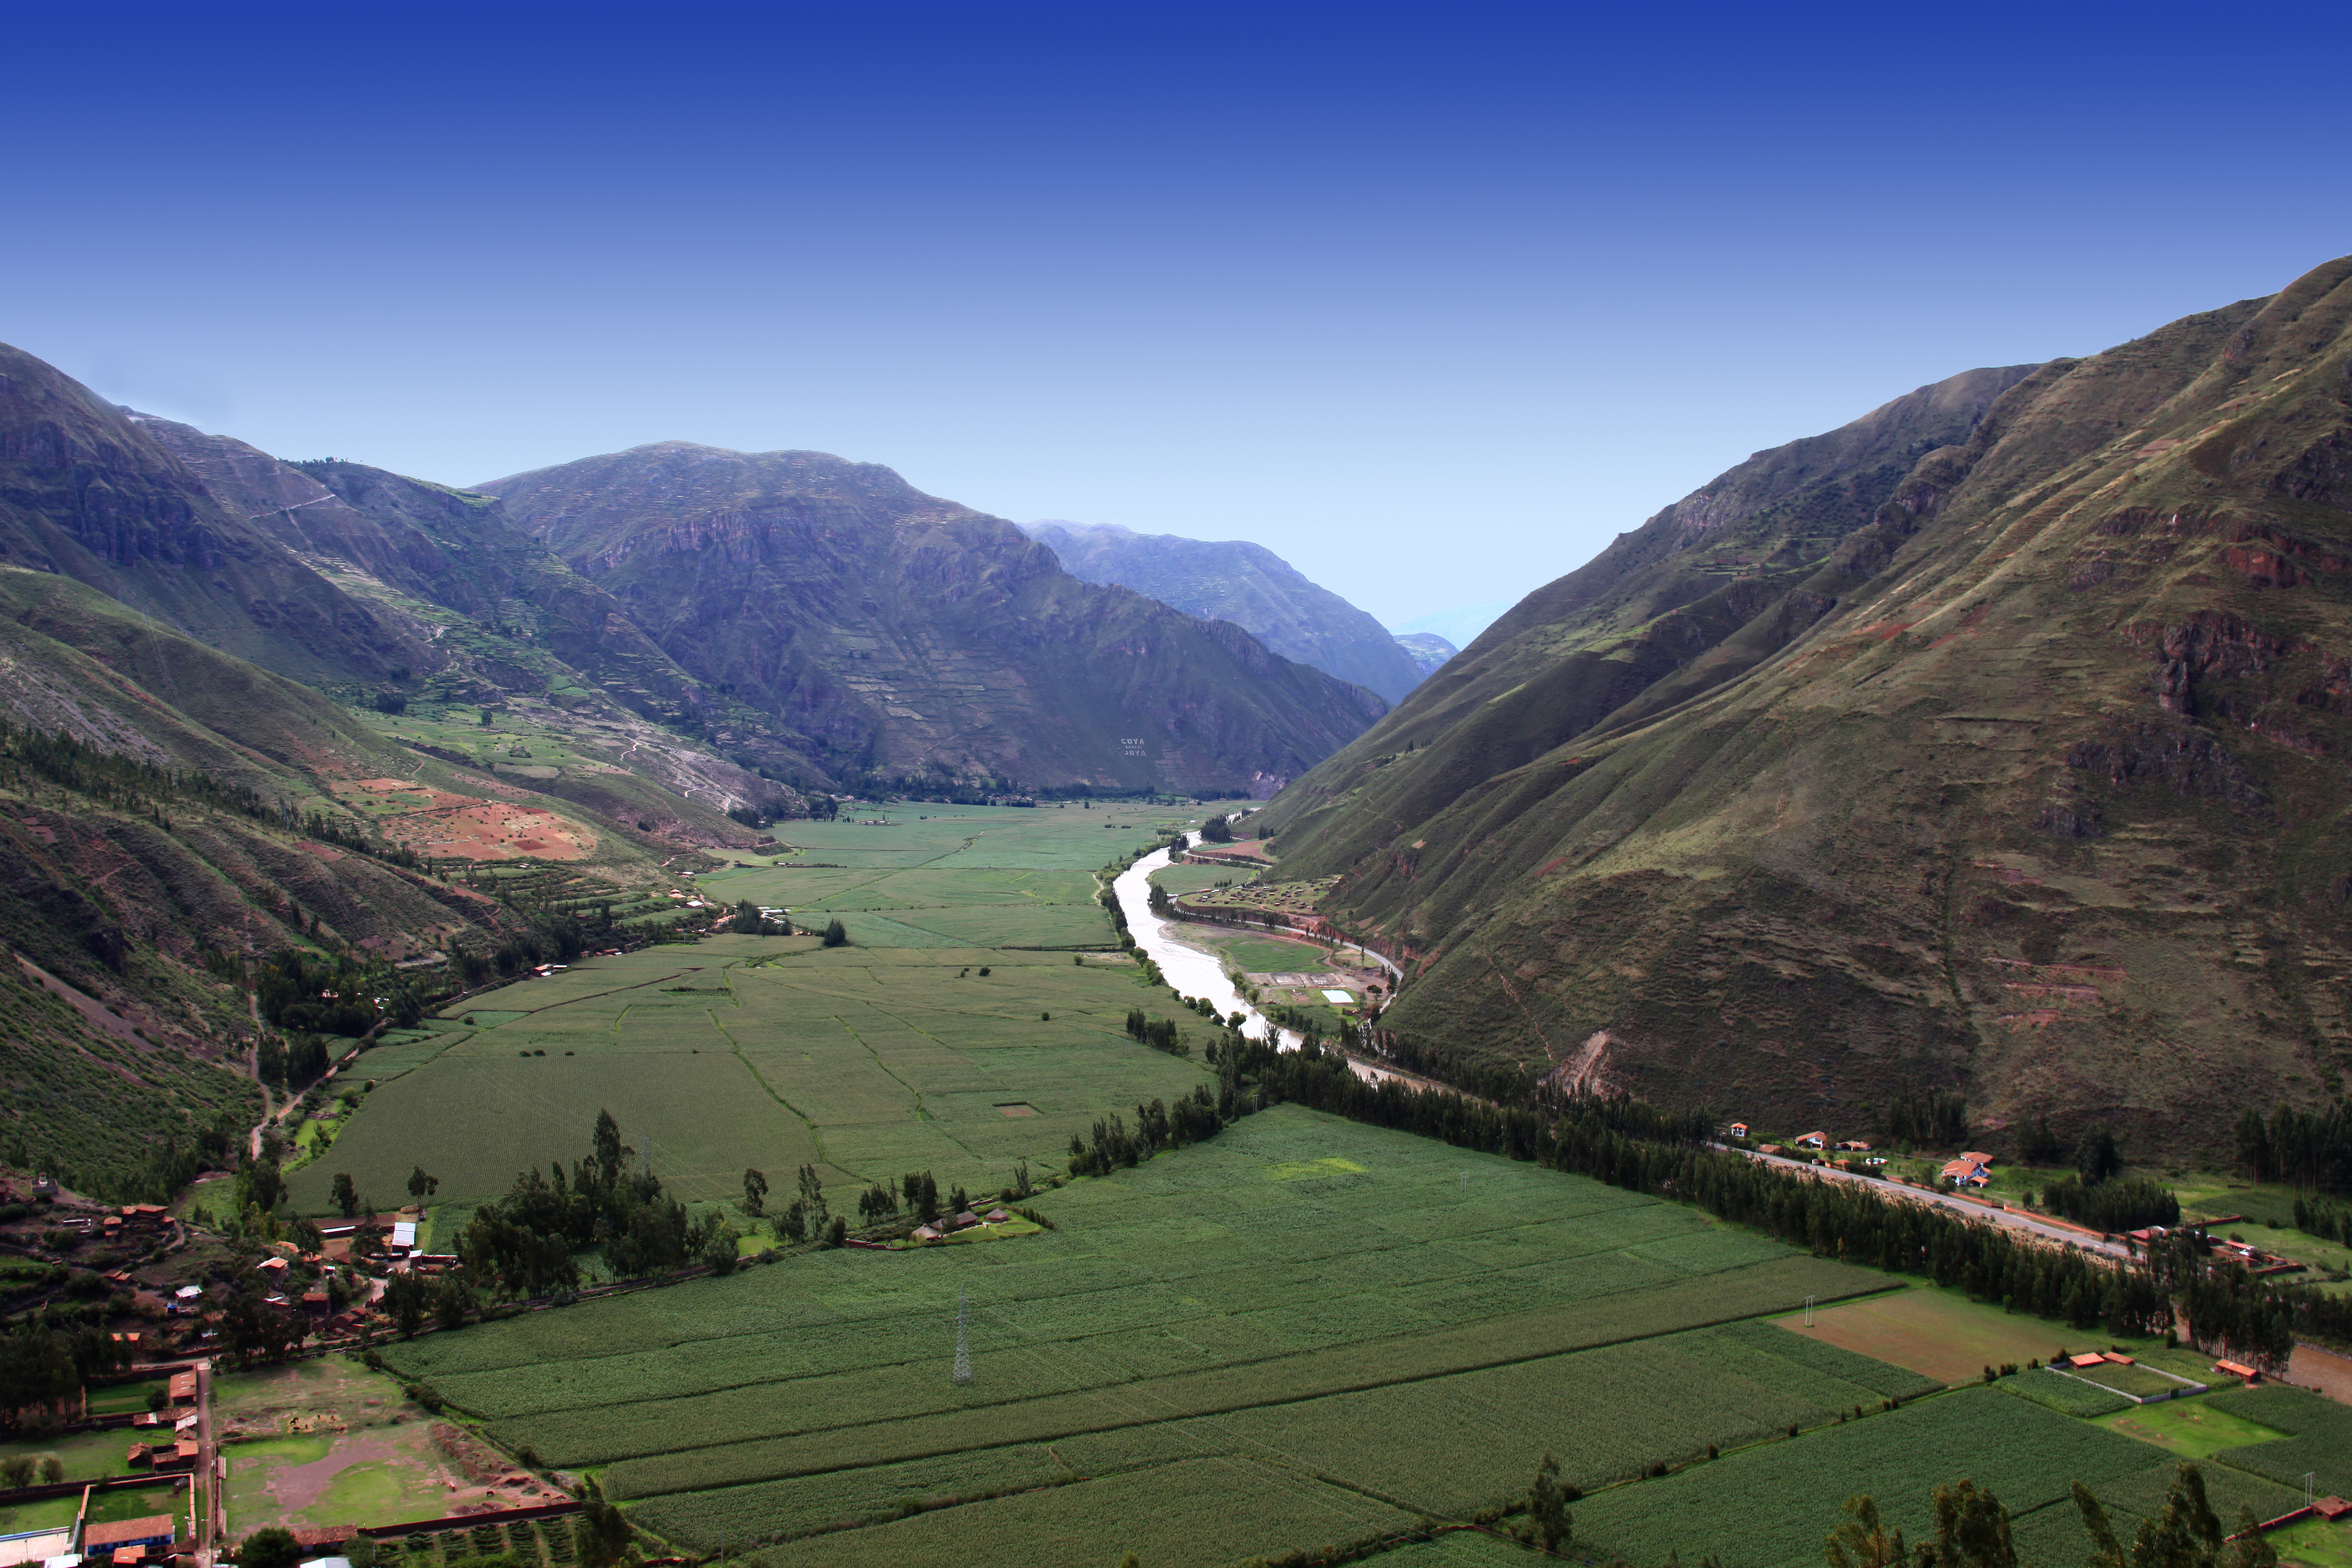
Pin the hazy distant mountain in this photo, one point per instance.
(1458, 627)
(1245, 584)
(1426, 649)
(879, 631)
(1985, 744)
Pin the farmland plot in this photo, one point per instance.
(1769, 1507)
(896, 1053)
(1265, 1300)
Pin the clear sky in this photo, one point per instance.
(1431, 300)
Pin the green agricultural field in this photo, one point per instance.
(2066, 1395)
(1257, 1306)
(892, 1054)
(2318, 1440)
(2190, 1429)
(1772, 1505)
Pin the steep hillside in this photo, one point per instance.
(85, 492)
(503, 623)
(1248, 584)
(2018, 774)
(883, 633)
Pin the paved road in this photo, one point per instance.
(2040, 1229)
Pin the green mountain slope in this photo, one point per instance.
(879, 631)
(2028, 784)
(84, 491)
(1248, 584)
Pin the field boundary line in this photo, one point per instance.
(614, 991)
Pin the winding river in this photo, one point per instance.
(1196, 973)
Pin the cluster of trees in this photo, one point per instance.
(1935, 1120)
(1194, 1117)
(1159, 1033)
(521, 1245)
(554, 938)
(1217, 830)
(168, 1166)
(835, 934)
(2310, 1150)
(45, 1360)
(411, 1298)
(2114, 1205)
(808, 1214)
(2325, 1221)
(746, 920)
(312, 994)
(1634, 1145)
(295, 1060)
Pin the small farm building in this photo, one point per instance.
(1740, 1130)
(1813, 1141)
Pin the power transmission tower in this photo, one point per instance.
(963, 1342)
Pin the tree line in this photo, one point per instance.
(2310, 1150)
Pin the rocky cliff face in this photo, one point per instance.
(2010, 765)
(1245, 584)
(882, 632)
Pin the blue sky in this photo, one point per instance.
(1432, 301)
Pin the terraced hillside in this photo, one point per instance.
(2010, 766)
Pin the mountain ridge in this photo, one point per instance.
(1246, 584)
(2023, 788)
(825, 596)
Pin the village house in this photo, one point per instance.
(137, 1536)
(1738, 1130)
(1813, 1141)
(1966, 1173)
(1854, 1146)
